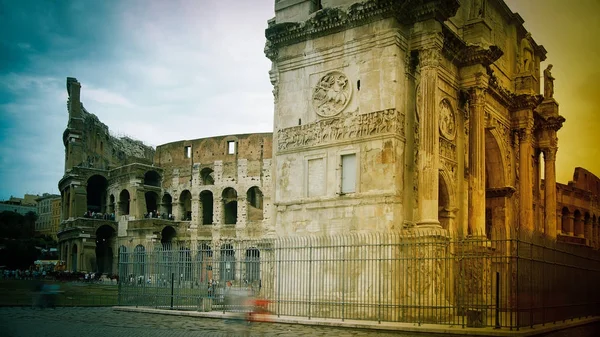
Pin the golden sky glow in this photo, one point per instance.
(570, 32)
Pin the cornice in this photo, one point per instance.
(473, 55)
(553, 123)
(332, 20)
(499, 192)
(522, 102)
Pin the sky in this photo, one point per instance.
(163, 71)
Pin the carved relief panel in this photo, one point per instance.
(331, 94)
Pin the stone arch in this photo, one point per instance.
(185, 201)
(166, 206)
(446, 199)
(124, 201)
(111, 204)
(207, 176)
(152, 178)
(229, 206)
(254, 200)
(105, 237)
(151, 202)
(74, 258)
(227, 265)
(252, 263)
(206, 203)
(167, 235)
(497, 191)
(578, 223)
(204, 257)
(587, 226)
(96, 193)
(123, 262)
(139, 260)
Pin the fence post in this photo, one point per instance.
(497, 300)
(309, 279)
(172, 281)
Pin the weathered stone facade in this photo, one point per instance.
(119, 193)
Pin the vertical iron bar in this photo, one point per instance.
(309, 279)
(497, 300)
(172, 279)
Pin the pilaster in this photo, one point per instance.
(477, 161)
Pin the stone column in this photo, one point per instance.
(579, 226)
(559, 224)
(550, 192)
(477, 163)
(428, 147)
(525, 177)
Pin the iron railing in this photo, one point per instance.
(416, 276)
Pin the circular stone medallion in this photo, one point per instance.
(447, 120)
(331, 94)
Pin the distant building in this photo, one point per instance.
(56, 203)
(44, 225)
(20, 205)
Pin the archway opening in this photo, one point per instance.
(252, 264)
(105, 236)
(565, 222)
(443, 203)
(167, 206)
(167, 235)
(578, 220)
(124, 202)
(206, 202)
(207, 176)
(185, 200)
(495, 224)
(96, 194)
(74, 258)
(152, 178)
(227, 270)
(254, 207)
(229, 206)
(111, 205)
(151, 203)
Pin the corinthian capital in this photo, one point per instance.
(549, 153)
(430, 57)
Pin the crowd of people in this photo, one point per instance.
(101, 216)
(157, 215)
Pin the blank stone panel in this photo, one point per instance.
(316, 177)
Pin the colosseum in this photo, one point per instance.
(187, 191)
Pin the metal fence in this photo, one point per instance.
(416, 276)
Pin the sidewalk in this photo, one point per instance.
(385, 326)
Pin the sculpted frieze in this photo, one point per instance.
(346, 126)
(447, 149)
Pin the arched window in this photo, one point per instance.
(207, 176)
(186, 205)
(152, 178)
(151, 203)
(206, 201)
(227, 265)
(229, 206)
(96, 194)
(252, 264)
(254, 207)
(167, 206)
(124, 202)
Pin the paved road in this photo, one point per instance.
(104, 322)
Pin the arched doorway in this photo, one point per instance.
(152, 178)
(185, 200)
(105, 236)
(124, 202)
(96, 194)
(167, 205)
(227, 267)
(229, 206)
(167, 235)
(74, 258)
(206, 202)
(254, 209)
(151, 203)
(497, 191)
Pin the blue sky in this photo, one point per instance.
(161, 71)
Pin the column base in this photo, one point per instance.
(429, 223)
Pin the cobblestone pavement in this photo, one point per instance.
(92, 322)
